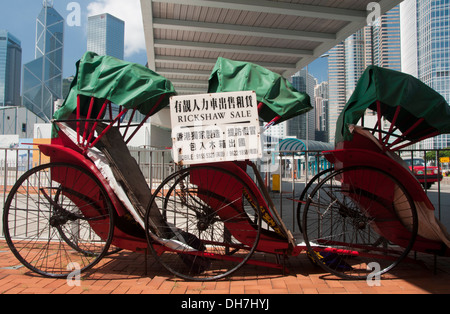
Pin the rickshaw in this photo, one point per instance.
(204, 221)
(370, 201)
(68, 214)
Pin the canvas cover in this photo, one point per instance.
(123, 83)
(393, 89)
(279, 96)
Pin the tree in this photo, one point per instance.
(431, 156)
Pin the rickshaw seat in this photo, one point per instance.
(124, 166)
(127, 172)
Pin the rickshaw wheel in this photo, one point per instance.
(211, 219)
(58, 219)
(359, 223)
(306, 191)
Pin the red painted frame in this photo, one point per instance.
(361, 151)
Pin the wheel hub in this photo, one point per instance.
(360, 224)
(57, 220)
(202, 224)
(204, 221)
(61, 218)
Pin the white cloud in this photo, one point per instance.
(128, 11)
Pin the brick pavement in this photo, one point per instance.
(125, 273)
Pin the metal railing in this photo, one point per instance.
(291, 171)
(155, 165)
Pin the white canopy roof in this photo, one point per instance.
(185, 37)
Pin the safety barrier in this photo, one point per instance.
(285, 174)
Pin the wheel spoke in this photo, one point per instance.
(56, 215)
(362, 210)
(205, 209)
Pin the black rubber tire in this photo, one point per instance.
(50, 218)
(346, 225)
(194, 216)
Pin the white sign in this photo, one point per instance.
(215, 127)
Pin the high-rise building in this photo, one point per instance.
(336, 88)
(42, 77)
(426, 44)
(303, 126)
(387, 40)
(274, 135)
(321, 101)
(377, 44)
(106, 35)
(408, 22)
(356, 60)
(10, 69)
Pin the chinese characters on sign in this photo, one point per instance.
(215, 127)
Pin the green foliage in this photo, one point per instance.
(431, 156)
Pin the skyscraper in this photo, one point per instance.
(336, 87)
(387, 40)
(303, 126)
(355, 60)
(10, 69)
(377, 44)
(426, 42)
(408, 22)
(106, 35)
(321, 101)
(42, 77)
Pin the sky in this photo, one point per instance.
(19, 18)
(319, 69)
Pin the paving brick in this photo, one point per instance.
(16, 290)
(310, 291)
(253, 290)
(120, 290)
(237, 289)
(124, 274)
(179, 290)
(156, 282)
(8, 286)
(294, 288)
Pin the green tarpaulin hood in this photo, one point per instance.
(278, 95)
(393, 89)
(123, 83)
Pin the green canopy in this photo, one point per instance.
(279, 96)
(393, 89)
(123, 83)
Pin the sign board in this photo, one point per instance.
(215, 127)
(444, 160)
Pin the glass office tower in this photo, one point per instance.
(386, 40)
(303, 126)
(377, 44)
(10, 69)
(336, 88)
(106, 35)
(355, 60)
(42, 77)
(433, 44)
(426, 45)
